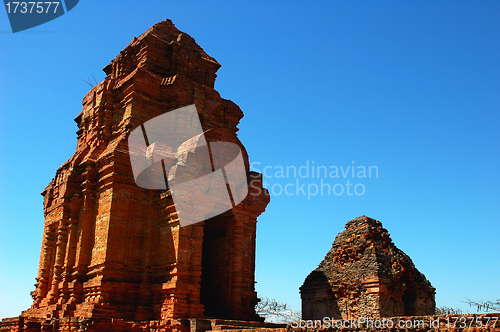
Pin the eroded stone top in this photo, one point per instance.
(365, 275)
(166, 51)
(364, 249)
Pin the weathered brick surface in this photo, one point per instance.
(445, 323)
(113, 253)
(366, 275)
(479, 322)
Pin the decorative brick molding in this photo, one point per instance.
(113, 252)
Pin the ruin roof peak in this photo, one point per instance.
(362, 221)
(166, 31)
(166, 51)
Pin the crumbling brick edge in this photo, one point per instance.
(72, 324)
(447, 323)
(484, 322)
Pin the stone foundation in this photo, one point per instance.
(119, 325)
(441, 323)
(444, 323)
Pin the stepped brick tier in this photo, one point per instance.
(114, 252)
(366, 275)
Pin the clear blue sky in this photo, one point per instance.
(411, 87)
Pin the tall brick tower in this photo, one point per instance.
(111, 249)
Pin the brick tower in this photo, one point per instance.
(365, 275)
(111, 249)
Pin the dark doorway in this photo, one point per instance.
(318, 300)
(216, 267)
(409, 299)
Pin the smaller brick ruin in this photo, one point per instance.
(366, 275)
